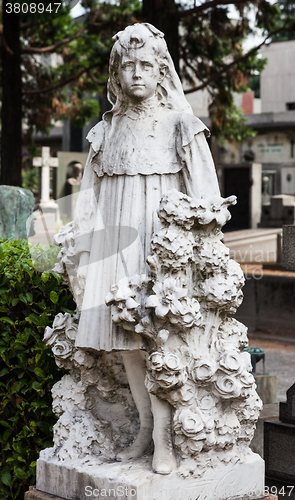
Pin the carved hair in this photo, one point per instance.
(169, 91)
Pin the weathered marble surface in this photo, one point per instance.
(16, 208)
(195, 355)
(71, 480)
(154, 285)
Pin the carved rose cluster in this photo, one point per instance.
(196, 363)
(122, 298)
(223, 289)
(194, 431)
(178, 208)
(232, 332)
(173, 247)
(211, 255)
(167, 370)
(66, 239)
(61, 338)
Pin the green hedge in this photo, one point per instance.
(29, 301)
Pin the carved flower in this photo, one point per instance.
(62, 349)
(228, 424)
(60, 321)
(71, 332)
(167, 370)
(176, 207)
(172, 362)
(207, 403)
(190, 423)
(168, 380)
(156, 361)
(246, 359)
(223, 290)
(85, 359)
(64, 233)
(90, 377)
(211, 254)
(203, 370)
(188, 314)
(234, 332)
(227, 386)
(121, 298)
(166, 298)
(171, 299)
(50, 336)
(120, 292)
(173, 246)
(247, 379)
(215, 210)
(230, 362)
(184, 394)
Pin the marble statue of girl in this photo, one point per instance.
(149, 143)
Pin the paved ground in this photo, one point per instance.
(279, 361)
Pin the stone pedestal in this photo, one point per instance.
(137, 481)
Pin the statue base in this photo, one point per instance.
(34, 494)
(136, 481)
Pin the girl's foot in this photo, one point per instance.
(139, 445)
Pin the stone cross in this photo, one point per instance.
(45, 162)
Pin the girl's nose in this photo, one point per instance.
(137, 71)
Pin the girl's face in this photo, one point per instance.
(139, 73)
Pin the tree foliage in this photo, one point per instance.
(29, 301)
(204, 38)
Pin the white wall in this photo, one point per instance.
(278, 77)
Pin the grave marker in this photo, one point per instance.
(45, 162)
(279, 435)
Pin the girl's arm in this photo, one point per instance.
(84, 217)
(199, 173)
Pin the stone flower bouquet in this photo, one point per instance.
(196, 360)
(195, 351)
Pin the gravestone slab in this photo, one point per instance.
(16, 207)
(279, 442)
(287, 410)
(289, 247)
(279, 451)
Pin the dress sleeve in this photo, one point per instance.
(199, 171)
(86, 207)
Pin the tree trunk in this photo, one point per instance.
(163, 15)
(11, 133)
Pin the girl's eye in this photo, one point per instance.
(147, 65)
(127, 66)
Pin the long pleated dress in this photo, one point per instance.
(135, 157)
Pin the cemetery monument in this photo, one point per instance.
(154, 285)
(16, 212)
